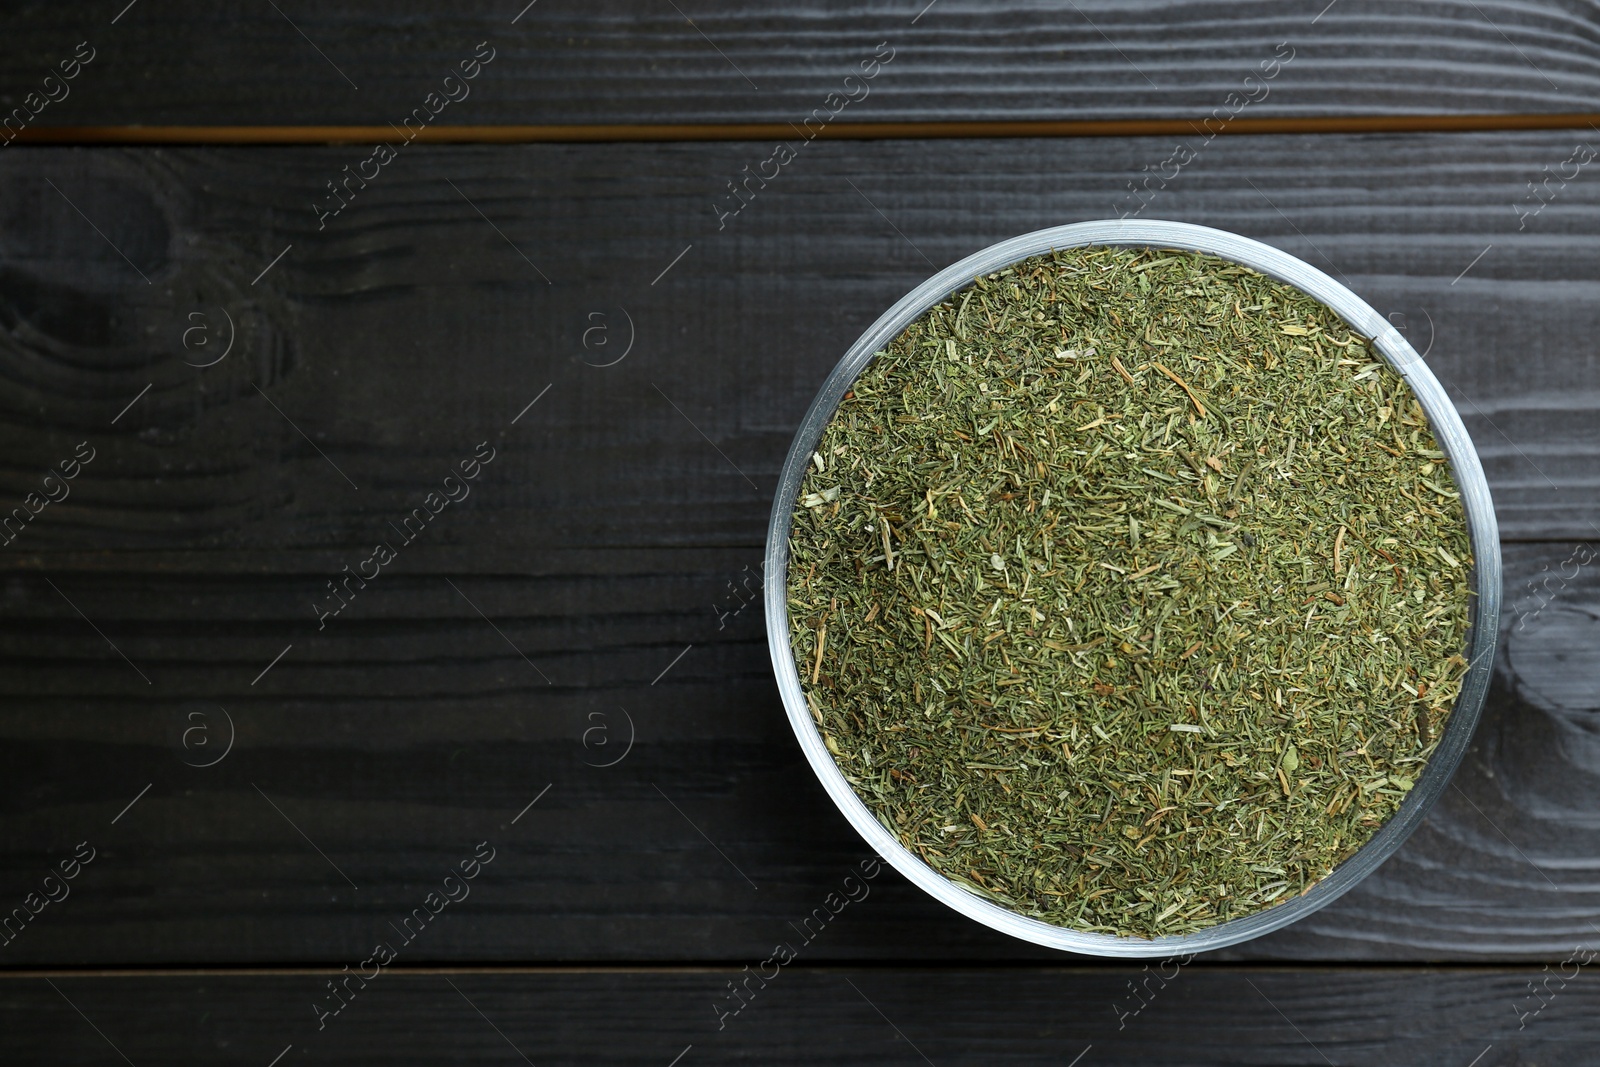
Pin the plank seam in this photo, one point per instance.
(722, 966)
(765, 131)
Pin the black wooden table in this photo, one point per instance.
(542, 350)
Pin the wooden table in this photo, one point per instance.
(265, 768)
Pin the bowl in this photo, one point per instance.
(1448, 430)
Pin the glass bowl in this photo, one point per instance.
(1447, 428)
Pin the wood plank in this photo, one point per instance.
(398, 742)
(603, 537)
(412, 318)
(1201, 1015)
(627, 61)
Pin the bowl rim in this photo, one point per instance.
(1448, 429)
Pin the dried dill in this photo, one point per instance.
(1129, 588)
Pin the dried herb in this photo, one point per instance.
(1129, 588)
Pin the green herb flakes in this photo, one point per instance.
(1129, 589)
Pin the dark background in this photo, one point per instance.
(162, 617)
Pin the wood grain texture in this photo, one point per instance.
(613, 526)
(418, 322)
(564, 61)
(806, 1015)
(398, 743)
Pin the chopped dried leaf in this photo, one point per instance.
(1132, 591)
